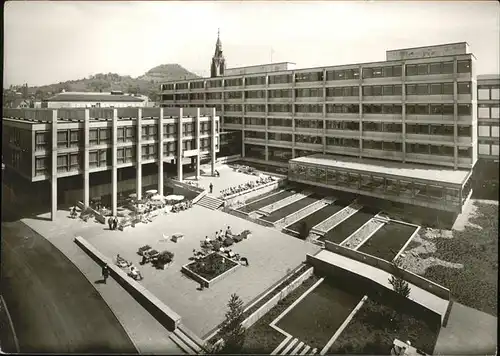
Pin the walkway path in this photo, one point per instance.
(468, 332)
(148, 335)
(54, 308)
(418, 295)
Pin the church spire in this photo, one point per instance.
(218, 65)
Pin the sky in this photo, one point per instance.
(47, 42)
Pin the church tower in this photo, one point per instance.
(218, 66)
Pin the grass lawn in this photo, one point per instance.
(475, 285)
(387, 241)
(211, 266)
(260, 337)
(372, 332)
(319, 315)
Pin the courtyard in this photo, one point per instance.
(270, 254)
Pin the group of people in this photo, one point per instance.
(182, 206)
(246, 186)
(113, 222)
(131, 270)
(73, 212)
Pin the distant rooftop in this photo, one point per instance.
(92, 96)
(447, 49)
(488, 77)
(398, 169)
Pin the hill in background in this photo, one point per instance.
(146, 84)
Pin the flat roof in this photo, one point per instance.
(261, 65)
(488, 77)
(82, 96)
(399, 169)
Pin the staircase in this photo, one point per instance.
(186, 343)
(210, 203)
(295, 347)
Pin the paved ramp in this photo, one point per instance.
(418, 295)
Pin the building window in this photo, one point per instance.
(232, 120)
(464, 109)
(280, 79)
(104, 136)
(309, 93)
(93, 159)
(255, 81)
(309, 77)
(343, 74)
(233, 82)
(255, 134)
(120, 155)
(280, 122)
(343, 142)
(309, 124)
(279, 93)
(255, 108)
(279, 108)
(62, 139)
(233, 107)
(197, 85)
(464, 131)
(42, 141)
(342, 108)
(465, 152)
(305, 108)
(277, 136)
(484, 131)
(41, 166)
(62, 163)
(464, 66)
(257, 121)
(464, 88)
(180, 86)
(74, 160)
(120, 134)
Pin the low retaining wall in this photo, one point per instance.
(271, 303)
(388, 267)
(207, 283)
(373, 289)
(266, 188)
(166, 316)
(237, 213)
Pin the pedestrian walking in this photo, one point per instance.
(110, 223)
(211, 186)
(105, 273)
(115, 223)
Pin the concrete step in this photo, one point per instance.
(297, 348)
(314, 351)
(305, 349)
(210, 203)
(289, 346)
(183, 346)
(187, 340)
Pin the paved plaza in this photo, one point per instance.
(270, 254)
(228, 178)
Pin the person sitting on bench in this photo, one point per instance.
(229, 233)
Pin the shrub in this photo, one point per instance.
(231, 330)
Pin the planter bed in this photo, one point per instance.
(208, 276)
(373, 329)
(260, 337)
(289, 279)
(291, 208)
(347, 227)
(388, 240)
(476, 284)
(319, 315)
(319, 216)
(267, 201)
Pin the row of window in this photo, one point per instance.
(348, 91)
(488, 149)
(463, 66)
(485, 111)
(488, 92)
(439, 150)
(487, 131)
(373, 182)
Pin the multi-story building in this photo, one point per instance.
(488, 116)
(114, 99)
(418, 107)
(66, 145)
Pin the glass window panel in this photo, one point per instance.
(484, 131)
(484, 149)
(464, 88)
(447, 68)
(436, 89)
(495, 94)
(464, 66)
(447, 88)
(494, 131)
(495, 112)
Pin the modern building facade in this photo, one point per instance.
(51, 144)
(416, 107)
(116, 99)
(488, 116)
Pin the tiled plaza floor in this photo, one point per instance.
(228, 178)
(270, 254)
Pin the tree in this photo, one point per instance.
(399, 285)
(231, 330)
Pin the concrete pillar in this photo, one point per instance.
(114, 165)
(197, 169)
(160, 152)
(138, 181)
(179, 146)
(86, 163)
(212, 140)
(54, 167)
